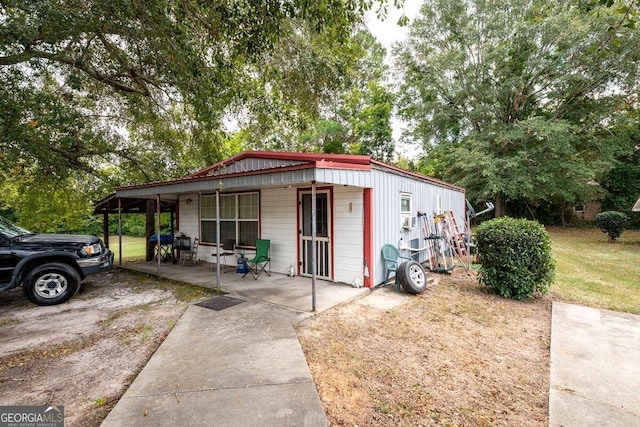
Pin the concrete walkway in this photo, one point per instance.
(595, 368)
(240, 366)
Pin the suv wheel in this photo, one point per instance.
(51, 284)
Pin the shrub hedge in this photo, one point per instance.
(515, 257)
(612, 223)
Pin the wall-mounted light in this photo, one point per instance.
(188, 201)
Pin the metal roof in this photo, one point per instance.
(257, 169)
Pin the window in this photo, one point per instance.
(579, 208)
(238, 218)
(405, 210)
(405, 204)
(322, 215)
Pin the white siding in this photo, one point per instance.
(348, 219)
(189, 222)
(278, 218)
(386, 211)
(279, 222)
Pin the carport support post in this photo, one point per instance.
(218, 239)
(105, 227)
(468, 240)
(158, 231)
(120, 232)
(313, 246)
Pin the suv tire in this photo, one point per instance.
(51, 284)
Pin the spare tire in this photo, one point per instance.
(412, 277)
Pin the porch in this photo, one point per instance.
(279, 289)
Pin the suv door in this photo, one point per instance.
(7, 261)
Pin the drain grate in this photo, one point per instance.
(220, 303)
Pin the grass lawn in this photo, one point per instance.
(592, 271)
(132, 247)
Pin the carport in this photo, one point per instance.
(149, 207)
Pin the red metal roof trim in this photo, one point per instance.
(193, 178)
(315, 160)
(323, 164)
(347, 161)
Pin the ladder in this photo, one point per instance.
(454, 236)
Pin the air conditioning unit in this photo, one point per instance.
(408, 222)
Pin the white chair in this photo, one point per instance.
(190, 255)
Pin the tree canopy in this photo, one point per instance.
(129, 91)
(515, 100)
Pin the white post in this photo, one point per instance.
(314, 251)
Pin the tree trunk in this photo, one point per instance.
(500, 208)
(150, 229)
(563, 211)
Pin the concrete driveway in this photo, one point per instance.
(595, 368)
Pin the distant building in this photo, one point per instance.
(587, 211)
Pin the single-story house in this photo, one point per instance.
(587, 211)
(636, 206)
(361, 204)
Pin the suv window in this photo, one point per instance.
(10, 230)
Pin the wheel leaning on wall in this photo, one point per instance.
(412, 277)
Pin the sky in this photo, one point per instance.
(388, 32)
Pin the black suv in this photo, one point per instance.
(50, 266)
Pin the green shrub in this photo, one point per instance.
(515, 257)
(611, 223)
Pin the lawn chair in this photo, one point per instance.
(261, 260)
(191, 255)
(228, 248)
(391, 256)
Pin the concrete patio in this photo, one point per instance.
(278, 289)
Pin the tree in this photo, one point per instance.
(352, 115)
(621, 182)
(512, 99)
(128, 91)
(134, 61)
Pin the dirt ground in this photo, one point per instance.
(85, 353)
(456, 355)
